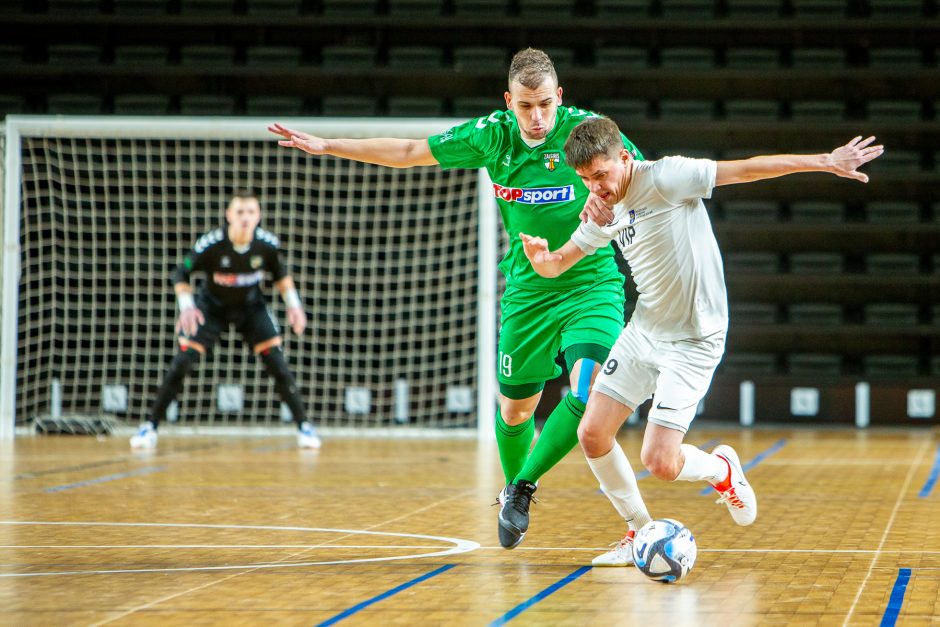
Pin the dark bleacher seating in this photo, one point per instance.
(10, 104)
(623, 8)
(896, 8)
(748, 364)
(141, 7)
(896, 161)
(207, 7)
(274, 105)
(687, 58)
(894, 111)
(754, 8)
(762, 263)
(681, 110)
(480, 7)
(558, 8)
(892, 212)
(892, 58)
(477, 106)
(818, 58)
(897, 264)
(815, 314)
(891, 365)
(753, 313)
(208, 55)
(273, 7)
(621, 58)
(67, 54)
(813, 364)
(142, 104)
(688, 9)
(817, 211)
(481, 58)
(74, 104)
(207, 105)
(415, 107)
(414, 7)
(891, 314)
(617, 109)
(350, 106)
(816, 263)
(273, 56)
(752, 58)
(820, 8)
(751, 211)
(361, 57)
(752, 110)
(350, 8)
(818, 110)
(141, 56)
(415, 57)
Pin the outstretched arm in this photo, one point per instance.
(844, 161)
(550, 264)
(388, 151)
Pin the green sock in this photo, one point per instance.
(513, 443)
(559, 436)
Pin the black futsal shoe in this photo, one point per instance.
(514, 514)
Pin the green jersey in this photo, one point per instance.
(537, 193)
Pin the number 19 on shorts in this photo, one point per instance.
(505, 364)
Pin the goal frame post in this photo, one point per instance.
(228, 128)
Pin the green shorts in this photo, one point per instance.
(536, 325)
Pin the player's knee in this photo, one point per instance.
(182, 364)
(276, 365)
(594, 442)
(514, 415)
(661, 464)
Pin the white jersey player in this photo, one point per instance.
(671, 346)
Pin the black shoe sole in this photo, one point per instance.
(508, 538)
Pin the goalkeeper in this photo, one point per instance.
(579, 315)
(234, 258)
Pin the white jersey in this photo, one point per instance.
(663, 229)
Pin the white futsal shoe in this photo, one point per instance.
(307, 436)
(620, 555)
(736, 493)
(146, 437)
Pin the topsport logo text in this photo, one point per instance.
(534, 196)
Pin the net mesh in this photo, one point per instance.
(385, 261)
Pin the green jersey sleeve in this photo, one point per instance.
(471, 144)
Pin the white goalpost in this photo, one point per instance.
(396, 269)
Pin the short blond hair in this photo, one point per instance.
(529, 68)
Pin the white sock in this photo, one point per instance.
(618, 482)
(700, 465)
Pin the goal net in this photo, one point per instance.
(387, 262)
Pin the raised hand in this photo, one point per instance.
(536, 249)
(298, 139)
(596, 211)
(297, 319)
(189, 321)
(845, 160)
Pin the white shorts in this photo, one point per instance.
(677, 373)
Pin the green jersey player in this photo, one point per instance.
(579, 315)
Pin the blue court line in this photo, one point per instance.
(361, 606)
(897, 598)
(115, 477)
(932, 479)
(519, 609)
(760, 457)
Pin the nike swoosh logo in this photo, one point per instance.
(660, 405)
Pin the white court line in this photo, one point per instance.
(884, 536)
(460, 546)
(215, 546)
(701, 550)
(224, 579)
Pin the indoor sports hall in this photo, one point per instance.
(129, 124)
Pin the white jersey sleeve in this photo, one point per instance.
(680, 179)
(590, 238)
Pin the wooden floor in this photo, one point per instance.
(250, 531)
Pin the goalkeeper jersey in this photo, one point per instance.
(537, 193)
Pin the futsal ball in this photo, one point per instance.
(664, 550)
